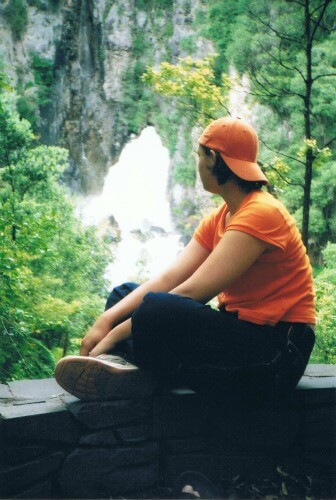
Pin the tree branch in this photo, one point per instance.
(279, 34)
(322, 76)
(290, 183)
(318, 21)
(282, 154)
(281, 92)
(317, 8)
(268, 25)
(329, 142)
(290, 68)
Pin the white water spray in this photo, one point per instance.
(134, 194)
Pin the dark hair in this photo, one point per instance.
(223, 173)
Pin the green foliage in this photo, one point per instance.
(45, 5)
(28, 109)
(184, 172)
(43, 70)
(325, 286)
(217, 20)
(136, 99)
(192, 84)
(16, 13)
(51, 267)
(140, 43)
(157, 5)
(188, 44)
(4, 79)
(38, 93)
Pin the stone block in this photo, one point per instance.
(5, 393)
(179, 415)
(40, 421)
(102, 414)
(102, 438)
(134, 433)
(14, 478)
(39, 404)
(317, 386)
(103, 472)
(40, 490)
(29, 408)
(41, 389)
(17, 453)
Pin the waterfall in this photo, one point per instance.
(134, 209)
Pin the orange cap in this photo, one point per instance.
(237, 143)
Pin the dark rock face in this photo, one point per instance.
(54, 446)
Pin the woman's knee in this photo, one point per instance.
(151, 311)
(119, 292)
(161, 308)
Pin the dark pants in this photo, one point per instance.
(180, 340)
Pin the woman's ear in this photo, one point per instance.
(213, 158)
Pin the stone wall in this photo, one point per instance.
(55, 446)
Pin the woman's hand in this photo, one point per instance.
(95, 335)
(106, 345)
(119, 333)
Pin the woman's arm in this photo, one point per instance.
(232, 257)
(192, 256)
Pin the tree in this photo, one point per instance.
(51, 267)
(325, 285)
(193, 85)
(290, 63)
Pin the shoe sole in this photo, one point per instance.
(91, 379)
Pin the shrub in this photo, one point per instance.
(325, 286)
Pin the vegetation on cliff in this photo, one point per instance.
(16, 13)
(51, 267)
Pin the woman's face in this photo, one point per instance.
(205, 165)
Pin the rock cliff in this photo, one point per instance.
(95, 52)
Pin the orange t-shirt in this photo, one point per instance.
(279, 285)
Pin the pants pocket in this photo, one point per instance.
(295, 356)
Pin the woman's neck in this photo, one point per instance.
(232, 195)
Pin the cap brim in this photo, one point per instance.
(246, 170)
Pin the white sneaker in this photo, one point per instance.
(103, 377)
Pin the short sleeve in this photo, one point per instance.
(262, 221)
(205, 231)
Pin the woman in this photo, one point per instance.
(249, 253)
